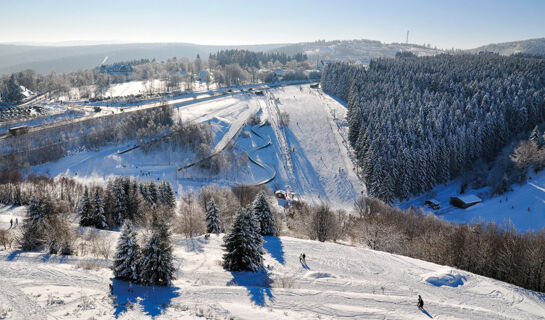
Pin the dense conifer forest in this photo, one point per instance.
(415, 122)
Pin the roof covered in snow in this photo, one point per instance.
(468, 198)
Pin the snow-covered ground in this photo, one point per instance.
(316, 137)
(151, 86)
(523, 207)
(310, 155)
(338, 282)
(225, 115)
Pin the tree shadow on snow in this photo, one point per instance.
(274, 246)
(153, 299)
(13, 255)
(426, 312)
(47, 257)
(258, 285)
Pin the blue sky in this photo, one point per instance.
(442, 23)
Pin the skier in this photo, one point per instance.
(302, 257)
(420, 302)
(11, 223)
(16, 221)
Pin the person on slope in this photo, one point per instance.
(420, 302)
(302, 258)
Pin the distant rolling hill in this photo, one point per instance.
(360, 50)
(531, 46)
(45, 59)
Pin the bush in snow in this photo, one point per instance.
(157, 263)
(324, 225)
(190, 219)
(213, 222)
(59, 235)
(127, 255)
(244, 244)
(263, 214)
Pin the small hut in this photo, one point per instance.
(464, 201)
(433, 204)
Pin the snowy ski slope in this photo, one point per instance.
(338, 282)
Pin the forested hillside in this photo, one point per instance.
(417, 122)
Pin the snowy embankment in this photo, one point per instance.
(523, 207)
(225, 115)
(338, 282)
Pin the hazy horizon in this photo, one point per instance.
(447, 24)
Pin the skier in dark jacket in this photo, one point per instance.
(420, 302)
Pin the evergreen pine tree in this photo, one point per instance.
(157, 261)
(166, 195)
(263, 214)
(244, 245)
(127, 256)
(33, 229)
(99, 219)
(153, 193)
(133, 201)
(85, 210)
(213, 222)
(535, 137)
(120, 210)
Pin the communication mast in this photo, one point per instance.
(407, 40)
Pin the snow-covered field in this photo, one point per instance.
(338, 282)
(150, 86)
(523, 208)
(310, 155)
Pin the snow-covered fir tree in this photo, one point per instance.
(120, 209)
(133, 200)
(244, 244)
(99, 220)
(157, 261)
(213, 222)
(263, 214)
(127, 256)
(85, 210)
(166, 195)
(153, 193)
(535, 137)
(33, 227)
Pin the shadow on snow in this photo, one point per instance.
(258, 285)
(426, 312)
(274, 246)
(153, 299)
